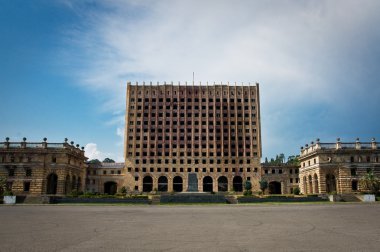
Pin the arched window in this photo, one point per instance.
(207, 184)
(147, 184)
(162, 184)
(177, 184)
(222, 184)
(51, 187)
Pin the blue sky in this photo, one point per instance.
(64, 65)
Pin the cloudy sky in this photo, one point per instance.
(64, 65)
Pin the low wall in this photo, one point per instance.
(280, 199)
(193, 198)
(101, 200)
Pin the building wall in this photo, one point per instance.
(27, 167)
(286, 175)
(337, 167)
(175, 130)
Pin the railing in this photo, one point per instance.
(327, 145)
(55, 145)
(366, 145)
(34, 145)
(339, 145)
(348, 145)
(14, 145)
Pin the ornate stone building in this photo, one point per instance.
(282, 179)
(192, 138)
(105, 177)
(337, 167)
(40, 168)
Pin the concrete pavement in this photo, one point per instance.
(287, 227)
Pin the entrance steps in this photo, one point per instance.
(156, 199)
(350, 198)
(231, 199)
(36, 200)
(193, 198)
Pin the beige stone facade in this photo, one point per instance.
(192, 137)
(337, 167)
(282, 179)
(42, 168)
(106, 178)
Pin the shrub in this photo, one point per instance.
(247, 193)
(123, 190)
(296, 191)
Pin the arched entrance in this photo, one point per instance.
(222, 184)
(162, 184)
(274, 187)
(177, 184)
(74, 183)
(330, 183)
(67, 184)
(110, 188)
(207, 184)
(237, 184)
(147, 184)
(51, 187)
(79, 184)
(304, 185)
(310, 184)
(316, 189)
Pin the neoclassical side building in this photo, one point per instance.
(337, 167)
(282, 179)
(192, 137)
(42, 168)
(106, 178)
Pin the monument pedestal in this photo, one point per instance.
(192, 185)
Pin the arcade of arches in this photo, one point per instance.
(179, 184)
(69, 184)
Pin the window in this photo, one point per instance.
(354, 185)
(26, 186)
(54, 160)
(353, 172)
(28, 172)
(104, 172)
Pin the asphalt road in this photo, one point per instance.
(290, 227)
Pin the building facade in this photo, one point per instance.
(192, 138)
(337, 167)
(42, 168)
(106, 178)
(282, 179)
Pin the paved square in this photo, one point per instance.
(290, 227)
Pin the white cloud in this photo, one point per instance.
(92, 152)
(304, 53)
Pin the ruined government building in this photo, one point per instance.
(187, 138)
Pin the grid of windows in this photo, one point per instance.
(192, 121)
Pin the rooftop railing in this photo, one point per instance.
(43, 145)
(373, 145)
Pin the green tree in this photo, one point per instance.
(108, 160)
(370, 182)
(263, 185)
(94, 161)
(293, 160)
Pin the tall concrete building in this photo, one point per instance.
(192, 137)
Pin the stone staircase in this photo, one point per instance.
(192, 198)
(156, 199)
(231, 199)
(350, 198)
(36, 200)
